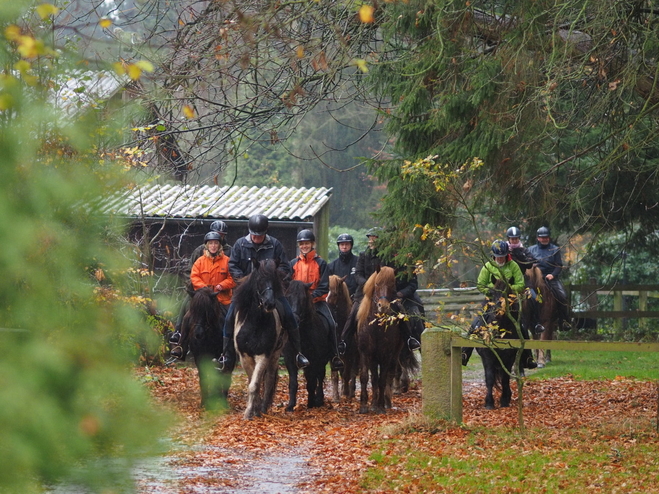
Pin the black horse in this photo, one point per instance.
(202, 328)
(315, 341)
(498, 364)
(340, 304)
(258, 334)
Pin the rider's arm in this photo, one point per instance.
(484, 282)
(557, 263)
(323, 284)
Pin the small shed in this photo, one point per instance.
(173, 219)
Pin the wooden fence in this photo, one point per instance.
(459, 304)
(441, 365)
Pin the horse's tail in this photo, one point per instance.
(408, 361)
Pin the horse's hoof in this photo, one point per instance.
(489, 407)
(363, 410)
(504, 405)
(541, 366)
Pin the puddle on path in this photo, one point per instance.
(277, 473)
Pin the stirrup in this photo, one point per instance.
(301, 361)
(176, 352)
(175, 338)
(342, 347)
(336, 363)
(413, 343)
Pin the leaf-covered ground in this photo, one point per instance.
(583, 436)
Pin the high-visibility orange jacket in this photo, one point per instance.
(312, 268)
(211, 271)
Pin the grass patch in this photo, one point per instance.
(601, 365)
(501, 460)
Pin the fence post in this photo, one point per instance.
(439, 393)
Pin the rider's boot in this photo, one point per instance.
(342, 347)
(466, 355)
(227, 360)
(528, 362)
(294, 336)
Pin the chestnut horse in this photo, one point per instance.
(547, 312)
(379, 339)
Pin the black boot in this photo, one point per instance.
(466, 355)
(528, 362)
(227, 360)
(342, 347)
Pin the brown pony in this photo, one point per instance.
(379, 339)
(547, 313)
(340, 304)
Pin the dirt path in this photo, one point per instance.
(318, 450)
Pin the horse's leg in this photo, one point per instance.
(289, 360)
(270, 382)
(378, 379)
(363, 379)
(490, 377)
(388, 390)
(320, 391)
(506, 393)
(253, 385)
(336, 395)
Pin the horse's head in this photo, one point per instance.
(266, 284)
(337, 286)
(384, 289)
(299, 297)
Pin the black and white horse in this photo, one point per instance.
(258, 333)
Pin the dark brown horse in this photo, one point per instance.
(379, 339)
(340, 304)
(547, 311)
(202, 330)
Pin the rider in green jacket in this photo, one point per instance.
(501, 267)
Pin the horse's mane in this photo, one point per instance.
(203, 305)
(298, 290)
(243, 295)
(385, 276)
(536, 278)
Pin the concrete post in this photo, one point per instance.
(438, 396)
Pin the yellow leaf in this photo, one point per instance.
(6, 102)
(119, 68)
(45, 10)
(300, 52)
(22, 66)
(361, 64)
(134, 72)
(366, 13)
(188, 111)
(12, 32)
(105, 23)
(145, 65)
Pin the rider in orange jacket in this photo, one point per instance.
(309, 267)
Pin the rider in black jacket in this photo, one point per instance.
(548, 259)
(258, 245)
(346, 264)
(406, 286)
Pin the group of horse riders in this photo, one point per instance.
(219, 266)
(510, 262)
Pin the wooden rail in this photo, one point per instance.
(441, 365)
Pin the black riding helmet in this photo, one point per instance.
(212, 236)
(258, 224)
(345, 237)
(543, 231)
(219, 226)
(513, 231)
(306, 236)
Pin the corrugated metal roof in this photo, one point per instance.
(188, 201)
(80, 90)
